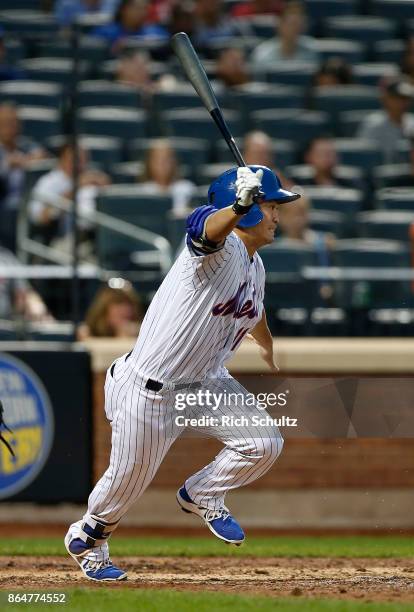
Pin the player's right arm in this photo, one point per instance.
(222, 222)
(208, 228)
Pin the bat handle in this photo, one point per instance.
(222, 125)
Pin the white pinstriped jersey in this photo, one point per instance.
(200, 314)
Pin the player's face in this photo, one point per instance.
(266, 229)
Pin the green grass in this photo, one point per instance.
(255, 546)
(148, 600)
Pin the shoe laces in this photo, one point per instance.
(97, 565)
(211, 515)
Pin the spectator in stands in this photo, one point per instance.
(131, 20)
(182, 18)
(116, 312)
(257, 7)
(17, 298)
(67, 11)
(51, 224)
(161, 176)
(321, 156)
(388, 127)
(407, 64)
(211, 24)
(16, 154)
(132, 69)
(7, 71)
(333, 71)
(289, 42)
(231, 68)
(257, 150)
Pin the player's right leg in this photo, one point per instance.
(143, 430)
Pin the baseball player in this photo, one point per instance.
(210, 299)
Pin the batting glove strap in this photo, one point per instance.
(239, 209)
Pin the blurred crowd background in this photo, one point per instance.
(320, 91)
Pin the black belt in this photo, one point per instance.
(153, 385)
(156, 385)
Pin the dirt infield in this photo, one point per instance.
(363, 579)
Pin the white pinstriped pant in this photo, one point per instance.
(143, 429)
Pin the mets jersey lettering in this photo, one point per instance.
(248, 309)
(186, 333)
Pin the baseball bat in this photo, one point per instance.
(195, 72)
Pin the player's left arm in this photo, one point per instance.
(263, 338)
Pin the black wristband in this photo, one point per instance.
(241, 210)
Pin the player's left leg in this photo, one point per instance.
(250, 451)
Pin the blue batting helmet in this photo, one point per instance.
(222, 193)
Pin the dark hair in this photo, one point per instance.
(336, 67)
(121, 6)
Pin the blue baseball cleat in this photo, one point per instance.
(220, 522)
(94, 562)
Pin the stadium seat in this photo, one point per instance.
(349, 122)
(31, 93)
(397, 198)
(131, 203)
(393, 175)
(360, 27)
(128, 203)
(288, 297)
(40, 123)
(262, 26)
(349, 50)
(372, 73)
(15, 50)
(318, 9)
(391, 322)
(261, 96)
(208, 173)
(371, 253)
(126, 172)
(284, 152)
(289, 73)
(286, 258)
(26, 5)
(357, 152)
(102, 150)
(196, 123)
(340, 98)
(35, 23)
(292, 124)
(400, 9)
(91, 48)
(191, 152)
(327, 221)
(304, 174)
(54, 70)
(105, 93)
(345, 201)
(389, 50)
(176, 231)
(245, 42)
(385, 224)
(122, 123)
(107, 70)
(182, 96)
